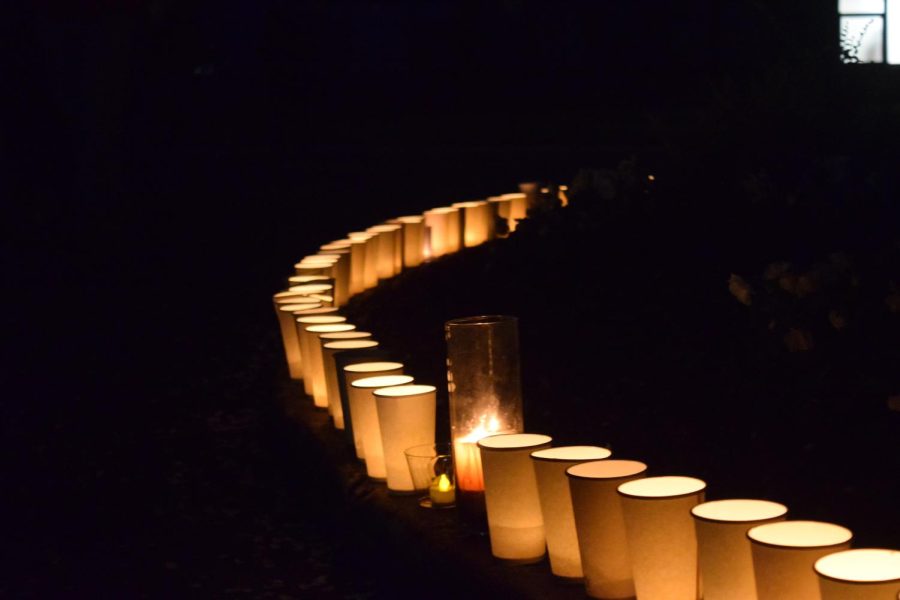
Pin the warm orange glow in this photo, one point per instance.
(468, 457)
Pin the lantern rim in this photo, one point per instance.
(408, 390)
(773, 506)
(380, 381)
(574, 470)
(555, 454)
(891, 561)
(691, 485)
(392, 366)
(352, 344)
(845, 535)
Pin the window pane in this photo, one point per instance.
(851, 7)
(893, 32)
(862, 39)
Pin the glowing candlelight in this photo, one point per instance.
(467, 456)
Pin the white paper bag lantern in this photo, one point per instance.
(437, 220)
(556, 504)
(784, 554)
(601, 526)
(329, 349)
(288, 330)
(317, 370)
(341, 270)
(476, 222)
(363, 370)
(726, 564)
(357, 265)
(406, 418)
(515, 522)
(387, 247)
(324, 338)
(363, 390)
(413, 240)
(662, 543)
(861, 574)
(518, 209)
(370, 264)
(302, 323)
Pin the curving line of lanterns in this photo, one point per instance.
(600, 520)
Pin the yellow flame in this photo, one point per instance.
(444, 484)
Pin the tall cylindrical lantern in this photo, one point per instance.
(454, 229)
(437, 221)
(413, 240)
(518, 209)
(861, 574)
(305, 350)
(333, 336)
(515, 522)
(501, 206)
(600, 525)
(662, 543)
(476, 222)
(485, 394)
(342, 270)
(556, 504)
(784, 555)
(317, 370)
(726, 565)
(288, 331)
(357, 265)
(360, 370)
(361, 393)
(387, 245)
(370, 264)
(329, 351)
(406, 417)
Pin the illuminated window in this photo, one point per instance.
(870, 31)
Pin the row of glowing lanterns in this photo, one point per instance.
(599, 519)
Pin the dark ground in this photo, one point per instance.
(165, 163)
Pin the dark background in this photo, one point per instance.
(164, 163)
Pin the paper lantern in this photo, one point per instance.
(726, 565)
(861, 574)
(351, 357)
(784, 555)
(357, 265)
(515, 523)
(387, 247)
(501, 209)
(315, 363)
(406, 416)
(485, 394)
(370, 263)
(662, 543)
(288, 330)
(436, 224)
(329, 349)
(518, 209)
(361, 392)
(413, 240)
(556, 504)
(304, 338)
(476, 222)
(363, 370)
(600, 525)
(341, 269)
(324, 338)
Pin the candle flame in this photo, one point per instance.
(444, 484)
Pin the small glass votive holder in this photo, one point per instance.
(431, 469)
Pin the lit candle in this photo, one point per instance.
(468, 457)
(442, 492)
